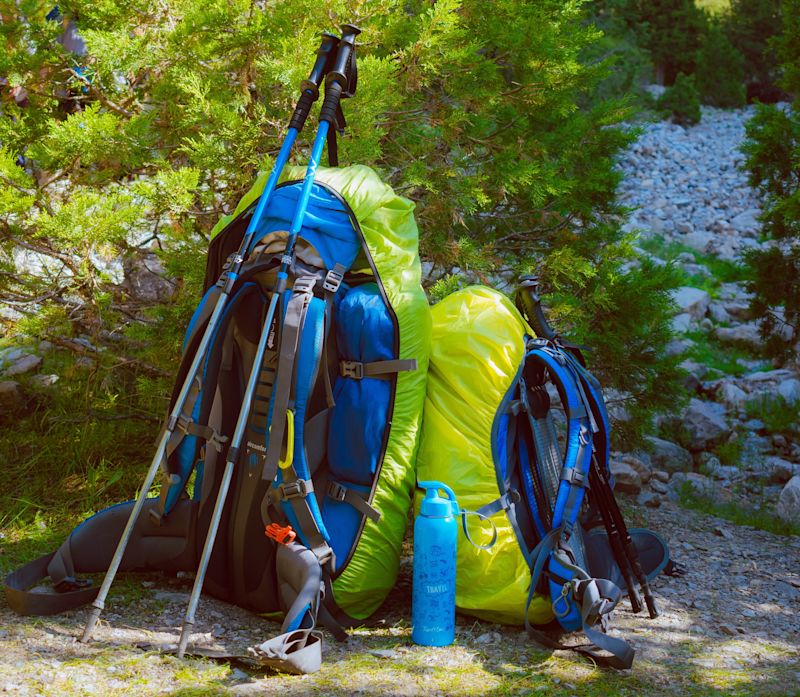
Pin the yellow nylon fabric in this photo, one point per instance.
(477, 348)
(391, 235)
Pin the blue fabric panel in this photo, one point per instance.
(307, 363)
(326, 225)
(569, 614)
(298, 620)
(344, 519)
(365, 333)
(501, 447)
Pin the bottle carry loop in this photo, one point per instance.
(464, 513)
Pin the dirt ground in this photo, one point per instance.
(730, 626)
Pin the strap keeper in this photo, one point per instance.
(336, 491)
(332, 281)
(351, 369)
(292, 490)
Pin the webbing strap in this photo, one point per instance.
(295, 492)
(375, 369)
(331, 284)
(500, 504)
(69, 594)
(357, 499)
(179, 430)
(296, 310)
(596, 597)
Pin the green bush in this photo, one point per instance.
(681, 101)
(752, 27)
(498, 138)
(672, 30)
(720, 71)
(772, 153)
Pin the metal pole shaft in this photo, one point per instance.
(241, 426)
(244, 413)
(99, 602)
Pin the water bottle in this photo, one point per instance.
(433, 614)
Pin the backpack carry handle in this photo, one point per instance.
(529, 303)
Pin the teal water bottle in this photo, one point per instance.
(433, 613)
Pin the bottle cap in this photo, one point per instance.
(435, 506)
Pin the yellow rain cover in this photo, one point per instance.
(391, 235)
(476, 351)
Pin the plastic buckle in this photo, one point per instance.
(332, 281)
(283, 535)
(351, 369)
(70, 584)
(337, 492)
(293, 490)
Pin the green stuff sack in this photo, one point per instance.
(476, 350)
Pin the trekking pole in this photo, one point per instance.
(598, 490)
(344, 67)
(310, 92)
(631, 553)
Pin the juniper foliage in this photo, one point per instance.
(772, 153)
(140, 145)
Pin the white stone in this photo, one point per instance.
(790, 390)
(788, 506)
(692, 301)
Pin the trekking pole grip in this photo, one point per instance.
(340, 80)
(310, 88)
(529, 303)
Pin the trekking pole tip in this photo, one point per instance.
(91, 623)
(651, 606)
(184, 640)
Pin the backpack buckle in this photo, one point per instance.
(283, 535)
(293, 490)
(332, 281)
(351, 369)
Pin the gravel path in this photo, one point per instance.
(730, 626)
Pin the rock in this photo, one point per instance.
(747, 333)
(779, 470)
(684, 228)
(626, 477)
(698, 240)
(731, 395)
(638, 464)
(677, 347)
(718, 313)
(44, 381)
(145, 278)
(692, 301)
(747, 221)
(11, 397)
(659, 476)
(788, 506)
(728, 629)
(697, 484)
(658, 486)
(790, 390)
(681, 323)
(668, 456)
(649, 499)
(738, 309)
(705, 422)
(23, 365)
